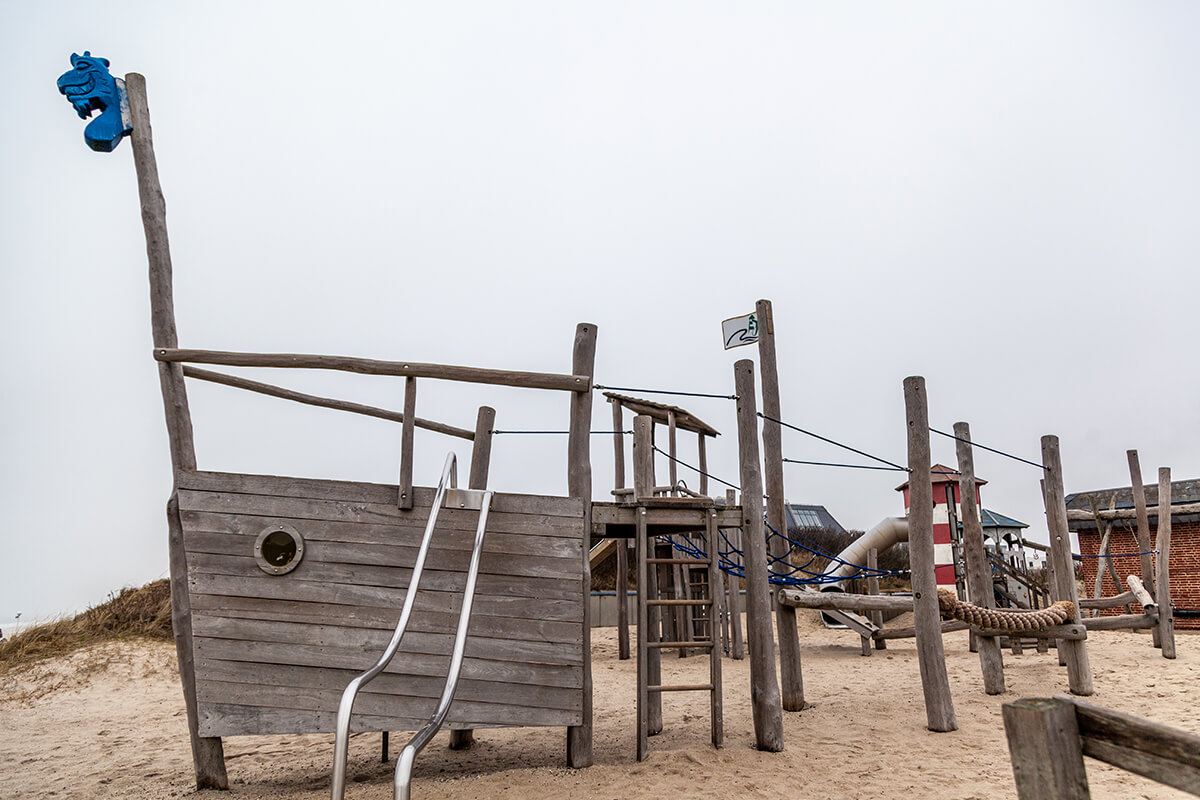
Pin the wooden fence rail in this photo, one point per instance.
(1048, 738)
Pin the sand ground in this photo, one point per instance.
(109, 722)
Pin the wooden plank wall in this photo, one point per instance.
(273, 653)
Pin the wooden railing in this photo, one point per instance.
(1048, 738)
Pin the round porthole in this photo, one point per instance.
(278, 549)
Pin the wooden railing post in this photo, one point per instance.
(979, 575)
(579, 484)
(1166, 619)
(927, 619)
(481, 460)
(1046, 753)
(766, 705)
(1074, 652)
(407, 435)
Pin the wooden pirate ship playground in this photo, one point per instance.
(320, 606)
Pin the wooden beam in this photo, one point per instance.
(1080, 515)
(323, 402)
(802, 598)
(931, 657)
(979, 575)
(1079, 669)
(649, 617)
(791, 679)
(579, 484)
(738, 645)
(1143, 530)
(1162, 580)
(367, 366)
(766, 705)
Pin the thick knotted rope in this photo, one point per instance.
(1006, 620)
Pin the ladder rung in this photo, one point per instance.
(689, 645)
(679, 602)
(697, 561)
(691, 687)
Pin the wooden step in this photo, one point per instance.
(698, 562)
(689, 687)
(679, 602)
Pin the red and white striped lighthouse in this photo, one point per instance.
(947, 511)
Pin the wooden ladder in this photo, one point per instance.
(650, 644)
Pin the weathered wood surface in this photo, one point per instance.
(766, 704)
(873, 589)
(931, 656)
(980, 587)
(1043, 743)
(367, 366)
(1129, 513)
(1162, 564)
(271, 390)
(1073, 652)
(579, 486)
(737, 645)
(1121, 622)
(1107, 602)
(208, 758)
(1139, 592)
(800, 598)
(791, 680)
(1138, 745)
(948, 626)
(1143, 529)
(407, 435)
(335, 611)
(623, 515)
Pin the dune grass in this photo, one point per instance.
(143, 613)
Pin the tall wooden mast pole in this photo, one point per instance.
(208, 756)
(790, 677)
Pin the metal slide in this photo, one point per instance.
(458, 498)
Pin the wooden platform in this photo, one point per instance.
(274, 652)
(671, 515)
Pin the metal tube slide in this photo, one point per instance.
(886, 533)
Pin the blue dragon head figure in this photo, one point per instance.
(89, 87)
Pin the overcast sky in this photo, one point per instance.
(1000, 197)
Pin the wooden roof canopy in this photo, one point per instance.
(684, 419)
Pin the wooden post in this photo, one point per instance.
(791, 680)
(645, 700)
(738, 645)
(649, 619)
(481, 460)
(1074, 652)
(873, 588)
(208, 755)
(618, 416)
(702, 451)
(1046, 752)
(1143, 530)
(672, 476)
(764, 687)
(1166, 618)
(927, 618)
(407, 433)
(979, 575)
(579, 484)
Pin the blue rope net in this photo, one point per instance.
(781, 571)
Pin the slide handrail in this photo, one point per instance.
(346, 706)
(404, 764)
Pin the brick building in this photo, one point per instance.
(1122, 543)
